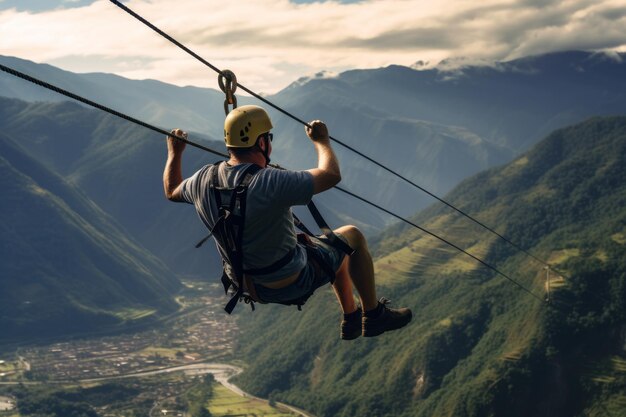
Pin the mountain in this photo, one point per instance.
(66, 266)
(436, 155)
(149, 100)
(478, 345)
(435, 126)
(514, 103)
(119, 166)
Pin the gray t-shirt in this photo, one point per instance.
(269, 232)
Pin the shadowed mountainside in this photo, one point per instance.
(66, 266)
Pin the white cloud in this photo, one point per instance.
(270, 43)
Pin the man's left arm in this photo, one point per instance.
(173, 172)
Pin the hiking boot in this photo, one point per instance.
(387, 319)
(351, 325)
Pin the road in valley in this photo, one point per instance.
(221, 372)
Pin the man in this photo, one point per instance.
(276, 265)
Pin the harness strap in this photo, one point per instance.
(273, 267)
(327, 231)
(239, 198)
(333, 240)
(251, 289)
(318, 262)
(229, 229)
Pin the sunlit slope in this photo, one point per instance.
(65, 265)
(479, 345)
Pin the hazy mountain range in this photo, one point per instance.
(434, 126)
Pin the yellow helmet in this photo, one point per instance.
(244, 125)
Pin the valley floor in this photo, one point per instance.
(148, 373)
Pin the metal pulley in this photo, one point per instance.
(227, 81)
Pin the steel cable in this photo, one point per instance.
(166, 133)
(352, 149)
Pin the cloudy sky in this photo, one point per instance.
(270, 43)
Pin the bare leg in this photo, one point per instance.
(343, 288)
(357, 269)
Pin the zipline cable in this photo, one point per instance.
(288, 114)
(447, 242)
(103, 108)
(204, 148)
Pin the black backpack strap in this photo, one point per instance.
(213, 183)
(234, 219)
(327, 231)
(300, 225)
(229, 227)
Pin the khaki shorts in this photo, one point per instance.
(310, 278)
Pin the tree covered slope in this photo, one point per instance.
(65, 265)
(119, 166)
(478, 344)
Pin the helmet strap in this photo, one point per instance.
(266, 152)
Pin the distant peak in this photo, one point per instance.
(320, 75)
(421, 65)
(456, 63)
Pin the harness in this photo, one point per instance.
(228, 231)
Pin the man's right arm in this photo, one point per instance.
(327, 174)
(173, 174)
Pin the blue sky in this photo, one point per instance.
(271, 43)
(42, 5)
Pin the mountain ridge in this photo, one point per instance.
(507, 108)
(500, 103)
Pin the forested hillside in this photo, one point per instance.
(65, 265)
(479, 345)
(118, 165)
